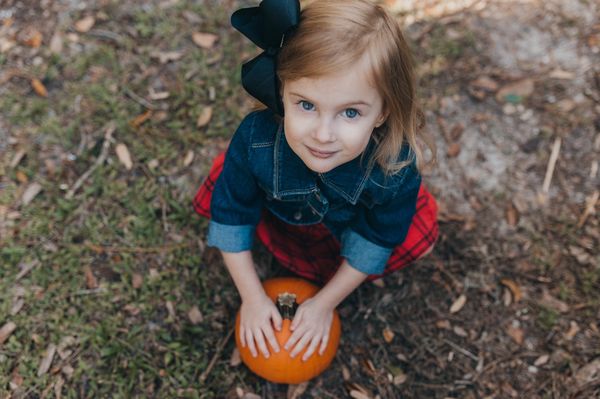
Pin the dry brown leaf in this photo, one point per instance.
(90, 280)
(204, 40)
(39, 87)
(458, 303)
(137, 280)
(250, 395)
(47, 360)
(561, 74)
(573, 330)
(17, 305)
(345, 373)
(551, 302)
(512, 214)
(195, 315)
(521, 88)
(235, 359)
(516, 333)
(6, 330)
(514, 288)
(31, 37)
(21, 177)
(461, 332)
(30, 193)
(388, 335)
(58, 386)
(19, 155)
(205, 117)
(166, 56)
(85, 24)
(358, 395)
(485, 83)
(6, 44)
(445, 324)
(588, 373)
(56, 43)
(540, 361)
(188, 159)
(453, 150)
(400, 378)
(124, 156)
(295, 391)
(170, 309)
(138, 120)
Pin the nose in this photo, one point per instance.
(323, 131)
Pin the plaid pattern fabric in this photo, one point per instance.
(312, 251)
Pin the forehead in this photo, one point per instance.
(352, 83)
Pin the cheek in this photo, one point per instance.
(294, 129)
(357, 139)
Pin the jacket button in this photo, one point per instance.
(298, 215)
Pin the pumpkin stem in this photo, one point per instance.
(287, 305)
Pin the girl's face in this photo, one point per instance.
(329, 120)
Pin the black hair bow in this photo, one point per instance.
(266, 25)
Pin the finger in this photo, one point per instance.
(324, 342)
(277, 320)
(296, 335)
(250, 342)
(268, 332)
(301, 345)
(297, 319)
(243, 337)
(260, 341)
(311, 348)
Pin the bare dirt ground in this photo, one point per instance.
(506, 306)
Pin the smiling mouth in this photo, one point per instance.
(321, 154)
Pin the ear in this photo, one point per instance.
(382, 118)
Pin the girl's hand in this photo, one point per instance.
(311, 326)
(257, 318)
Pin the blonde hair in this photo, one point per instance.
(333, 34)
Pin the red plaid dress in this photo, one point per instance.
(312, 251)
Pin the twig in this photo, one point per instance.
(140, 100)
(216, 356)
(551, 165)
(462, 350)
(26, 269)
(590, 205)
(99, 161)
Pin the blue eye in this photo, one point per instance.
(351, 113)
(306, 105)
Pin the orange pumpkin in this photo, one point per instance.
(280, 367)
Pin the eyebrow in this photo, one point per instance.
(359, 102)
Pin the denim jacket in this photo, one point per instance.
(369, 213)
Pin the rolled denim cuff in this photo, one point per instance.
(230, 238)
(364, 255)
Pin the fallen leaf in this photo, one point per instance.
(566, 105)
(56, 43)
(516, 333)
(205, 117)
(140, 119)
(573, 330)
(158, 95)
(17, 305)
(31, 37)
(388, 335)
(21, 177)
(580, 254)
(379, 283)
(461, 332)
(250, 395)
(124, 156)
(188, 159)
(19, 155)
(453, 150)
(47, 360)
(345, 373)
(85, 24)
(6, 44)
(204, 40)
(358, 395)
(166, 56)
(39, 87)
(458, 303)
(30, 193)
(137, 280)
(6, 330)
(512, 214)
(444, 324)
(195, 315)
(68, 371)
(513, 287)
(540, 361)
(60, 382)
(551, 302)
(485, 83)
(235, 359)
(399, 378)
(90, 280)
(588, 373)
(296, 390)
(514, 92)
(171, 309)
(561, 74)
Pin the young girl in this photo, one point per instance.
(328, 175)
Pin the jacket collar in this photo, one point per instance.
(291, 176)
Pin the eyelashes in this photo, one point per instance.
(350, 113)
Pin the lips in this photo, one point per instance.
(320, 154)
